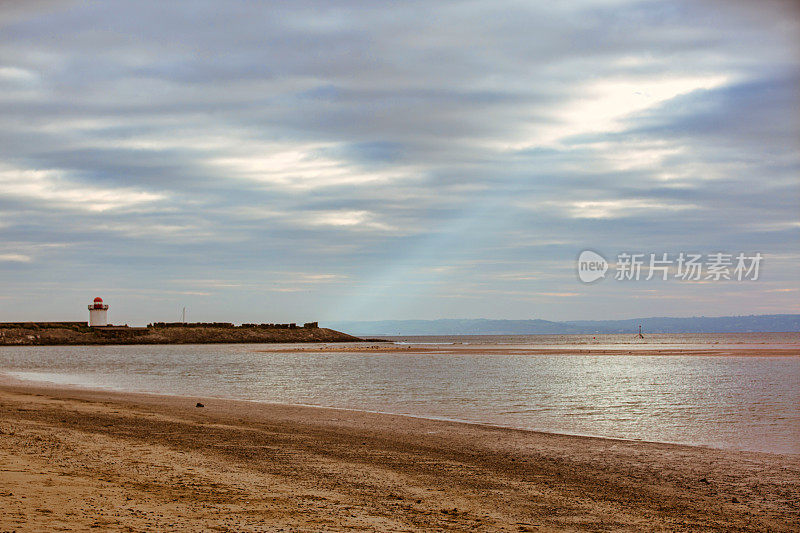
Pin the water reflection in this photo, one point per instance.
(746, 403)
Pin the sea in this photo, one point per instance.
(749, 402)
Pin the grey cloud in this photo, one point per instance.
(232, 118)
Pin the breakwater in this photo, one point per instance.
(80, 333)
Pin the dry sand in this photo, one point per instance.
(74, 460)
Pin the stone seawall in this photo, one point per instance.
(33, 336)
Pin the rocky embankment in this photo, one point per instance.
(168, 335)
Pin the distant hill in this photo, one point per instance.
(481, 326)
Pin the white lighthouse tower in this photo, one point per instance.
(98, 313)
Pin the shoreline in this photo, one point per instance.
(646, 350)
(60, 388)
(147, 461)
(13, 381)
(379, 346)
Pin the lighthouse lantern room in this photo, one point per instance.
(98, 313)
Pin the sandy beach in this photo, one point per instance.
(76, 459)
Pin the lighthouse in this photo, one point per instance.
(98, 313)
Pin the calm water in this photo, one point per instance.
(747, 403)
(630, 341)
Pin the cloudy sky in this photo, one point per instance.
(292, 161)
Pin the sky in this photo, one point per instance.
(298, 161)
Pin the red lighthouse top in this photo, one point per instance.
(98, 300)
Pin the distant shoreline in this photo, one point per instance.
(655, 350)
(650, 325)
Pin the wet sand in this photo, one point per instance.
(73, 459)
(740, 350)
